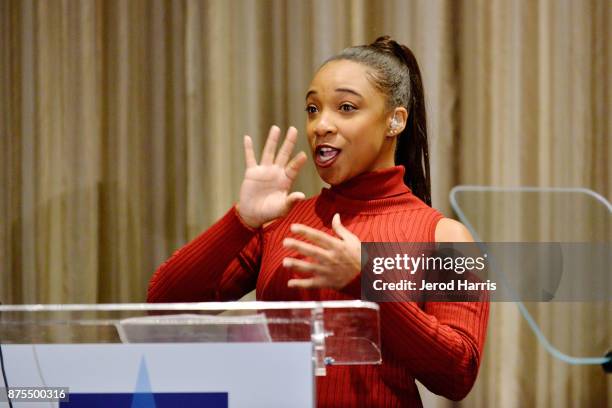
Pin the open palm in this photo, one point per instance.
(265, 191)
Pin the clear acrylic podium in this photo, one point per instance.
(146, 350)
(550, 215)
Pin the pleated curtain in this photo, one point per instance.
(121, 127)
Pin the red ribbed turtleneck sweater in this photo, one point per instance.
(439, 344)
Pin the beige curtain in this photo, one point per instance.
(121, 125)
(535, 110)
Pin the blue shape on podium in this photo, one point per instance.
(162, 400)
(143, 397)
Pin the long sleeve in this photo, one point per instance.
(220, 264)
(441, 345)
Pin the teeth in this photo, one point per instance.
(327, 153)
(327, 150)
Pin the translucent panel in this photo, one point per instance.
(342, 332)
(533, 214)
(565, 329)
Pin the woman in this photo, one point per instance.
(368, 137)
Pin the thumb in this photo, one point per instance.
(340, 229)
(294, 198)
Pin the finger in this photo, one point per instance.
(307, 249)
(314, 235)
(267, 156)
(285, 151)
(293, 168)
(308, 283)
(340, 229)
(300, 265)
(249, 154)
(294, 198)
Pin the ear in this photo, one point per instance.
(396, 121)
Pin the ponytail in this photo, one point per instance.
(412, 151)
(398, 76)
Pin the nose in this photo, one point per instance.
(324, 125)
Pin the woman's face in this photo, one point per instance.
(348, 123)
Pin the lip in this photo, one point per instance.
(328, 163)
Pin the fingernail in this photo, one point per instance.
(286, 262)
(294, 228)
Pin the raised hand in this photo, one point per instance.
(264, 194)
(337, 260)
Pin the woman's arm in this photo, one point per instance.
(223, 262)
(441, 343)
(220, 264)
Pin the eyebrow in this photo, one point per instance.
(345, 90)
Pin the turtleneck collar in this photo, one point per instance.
(374, 185)
(377, 192)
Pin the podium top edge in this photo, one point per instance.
(213, 306)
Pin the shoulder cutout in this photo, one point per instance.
(449, 230)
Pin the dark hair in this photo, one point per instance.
(396, 73)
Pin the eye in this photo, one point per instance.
(311, 109)
(347, 107)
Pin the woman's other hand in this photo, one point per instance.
(264, 194)
(336, 260)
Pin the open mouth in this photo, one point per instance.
(325, 155)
